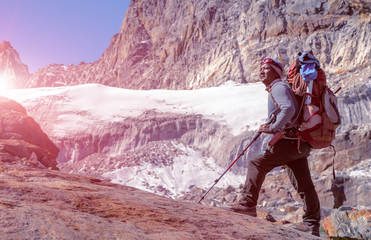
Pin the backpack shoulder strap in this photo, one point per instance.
(274, 101)
(294, 121)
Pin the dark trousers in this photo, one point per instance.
(284, 152)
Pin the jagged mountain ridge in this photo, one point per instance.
(172, 44)
(13, 72)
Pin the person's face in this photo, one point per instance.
(267, 74)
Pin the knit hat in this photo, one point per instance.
(277, 66)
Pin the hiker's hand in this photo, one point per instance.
(264, 128)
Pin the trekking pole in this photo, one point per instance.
(241, 154)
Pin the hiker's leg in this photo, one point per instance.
(257, 169)
(283, 151)
(299, 174)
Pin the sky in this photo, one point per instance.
(60, 31)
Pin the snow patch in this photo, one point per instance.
(188, 170)
(88, 108)
(237, 106)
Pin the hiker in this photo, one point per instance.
(285, 150)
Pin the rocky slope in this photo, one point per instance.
(13, 73)
(43, 204)
(201, 43)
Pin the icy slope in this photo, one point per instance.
(68, 113)
(176, 179)
(236, 106)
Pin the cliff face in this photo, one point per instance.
(174, 44)
(13, 73)
(177, 45)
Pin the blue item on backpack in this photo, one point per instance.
(308, 71)
(308, 68)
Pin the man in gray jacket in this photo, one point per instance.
(283, 107)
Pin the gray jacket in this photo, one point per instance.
(283, 104)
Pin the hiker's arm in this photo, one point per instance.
(282, 97)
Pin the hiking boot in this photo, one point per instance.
(238, 208)
(307, 227)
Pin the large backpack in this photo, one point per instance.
(318, 117)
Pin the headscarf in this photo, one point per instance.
(276, 65)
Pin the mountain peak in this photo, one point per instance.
(4, 45)
(13, 72)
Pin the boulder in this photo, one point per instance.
(21, 137)
(348, 224)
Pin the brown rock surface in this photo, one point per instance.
(21, 137)
(43, 204)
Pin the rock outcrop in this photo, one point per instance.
(201, 43)
(42, 204)
(350, 224)
(21, 138)
(13, 73)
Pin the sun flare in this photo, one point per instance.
(4, 83)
